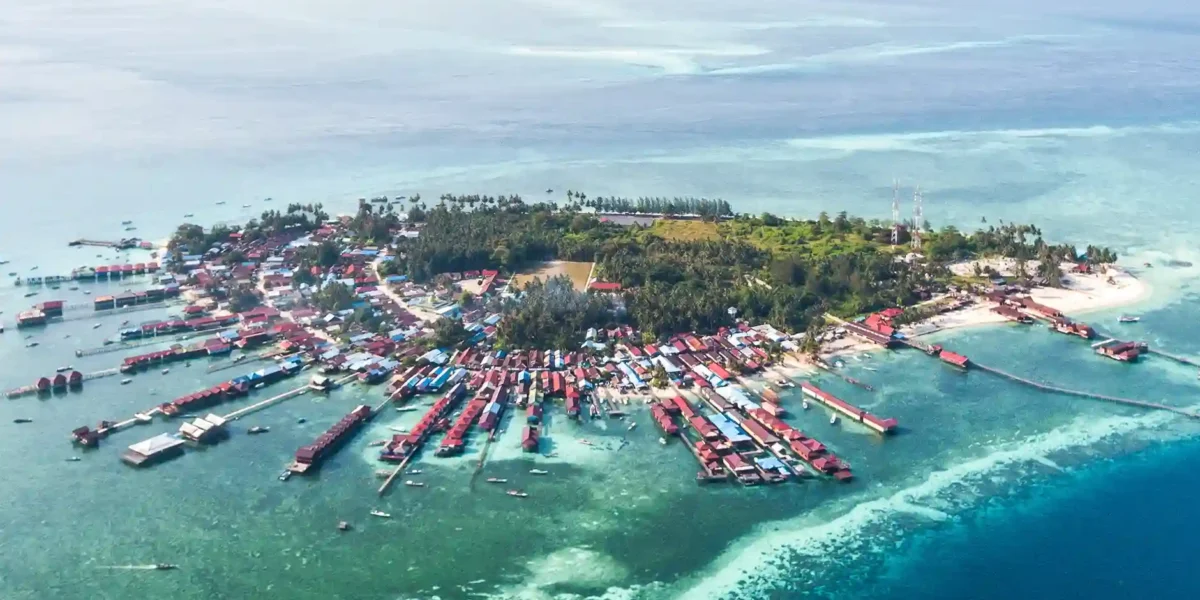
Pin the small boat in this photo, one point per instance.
(343, 526)
(22, 420)
(142, 417)
(833, 419)
(631, 426)
(33, 268)
(538, 472)
(30, 294)
(496, 480)
(74, 459)
(406, 408)
(412, 483)
(63, 369)
(838, 364)
(258, 429)
(517, 494)
(414, 471)
(286, 475)
(783, 383)
(188, 216)
(383, 473)
(31, 344)
(165, 371)
(126, 381)
(585, 442)
(301, 420)
(96, 326)
(87, 291)
(377, 443)
(124, 323)
(804, 404)
(245, 206)
(1128, 319)
(165, 567)
(127, 222)
(74, 288)
(220, 202)
(380, 514)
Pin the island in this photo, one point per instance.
(710, 321)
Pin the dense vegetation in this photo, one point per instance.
(697, 274)
(700, 276)
(1011, 240)
(551, 314)
(190, 238)
(454, 240)
(702, 207)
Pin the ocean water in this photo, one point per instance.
(1077, 116)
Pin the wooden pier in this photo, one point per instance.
(151, 341)
(848, 379)
(1183, 360)
(387, 483)
(32, 389)
(125, 244)
(1054, 389)
(1082, 394)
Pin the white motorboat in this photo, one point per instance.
(381, 514)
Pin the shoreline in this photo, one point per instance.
(1082, 294)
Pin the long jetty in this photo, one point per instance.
(31, 389)
(119, 245)
(1183, 360)
(1054, 389)
(241, 412)
(1175, 357)
(1082, 394)
(151, 341)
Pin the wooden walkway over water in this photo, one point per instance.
(32, 389)
(1054, 389)
(152, 341)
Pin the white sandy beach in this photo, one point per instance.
(1081, 294)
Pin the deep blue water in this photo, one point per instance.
(1122, 528)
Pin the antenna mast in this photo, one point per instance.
(895, 212)
(918, 219)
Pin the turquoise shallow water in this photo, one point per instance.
(1077, 118)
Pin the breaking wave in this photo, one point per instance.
(763, 561)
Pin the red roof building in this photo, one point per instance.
(604, 286)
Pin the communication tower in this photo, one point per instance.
(895, 212)
(918, 219)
